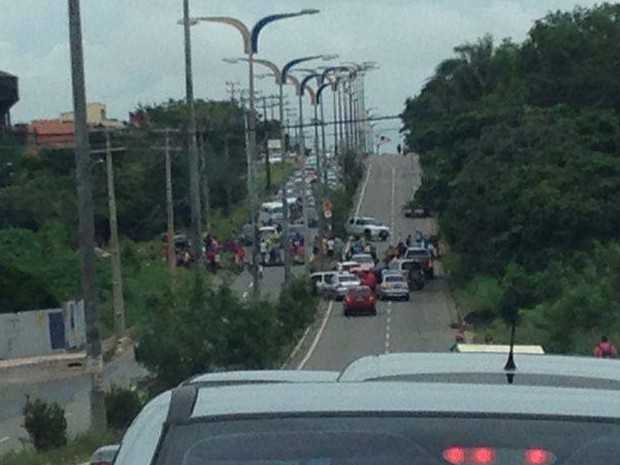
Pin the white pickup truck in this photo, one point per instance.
(368, 227)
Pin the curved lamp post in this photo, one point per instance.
(250, 47)
(283, 77)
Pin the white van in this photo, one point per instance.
(270, 212)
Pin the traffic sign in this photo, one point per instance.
(327, 205)
(328, 214)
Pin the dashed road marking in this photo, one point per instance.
(245, 295)
(4, 439)
(317, 337)
(363, 191)
(388, 324)
(393, 205)
(251, 284)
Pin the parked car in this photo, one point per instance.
(104, 455)
(323, 282)
(359, 299)
(367, 276)
(424, 256)
(393, 285)
(346, 266)
(364, 259)
(343, 282)
(412, 270)
(368, 227)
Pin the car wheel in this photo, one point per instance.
(384, 236)
(368, 234)
(373, 311)
(407, 298)
(346, 312)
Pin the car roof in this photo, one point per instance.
(387, 383)
(405, 364)
(404, 397)
(259, 376)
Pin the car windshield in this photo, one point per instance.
(394, 278)
(347, 278)
(393, 440)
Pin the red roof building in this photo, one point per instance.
(50, 132)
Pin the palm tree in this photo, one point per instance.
(471, 74)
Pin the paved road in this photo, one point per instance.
(423, 323)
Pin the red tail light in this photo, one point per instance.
(536, 456)
(454, 455)
(482, 455)
(347, 300)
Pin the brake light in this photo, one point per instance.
(454, 455)
(535, 456)
(482, 455)
(347, 300)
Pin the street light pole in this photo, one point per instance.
(194, 170)
(86, 219)
(115, 257)
(169, 207)
(250, 43)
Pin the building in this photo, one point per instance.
(50, 133)
(58, 132)
(95, 117)
(9, 96)
(42, 332)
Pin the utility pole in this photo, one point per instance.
(232, 87)
(117, 276)
(204, 180)
(86, 222)
(172, 259)
(194, 169)
(251, 145)
(285, 207)
(266, 146)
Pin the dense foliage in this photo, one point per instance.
(46, 424)
(201, 328)
(520, 146)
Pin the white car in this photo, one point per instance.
(368, 227)
(405, 408)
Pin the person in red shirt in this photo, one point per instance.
(605, 349)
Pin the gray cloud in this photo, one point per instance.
(134, 48)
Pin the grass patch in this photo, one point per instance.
(78, 450)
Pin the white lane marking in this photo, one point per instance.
(317, 337)
(251, 284)
(363, 190)
(4, 439)
(298, 346)
(245, 295)
(393, 206)
(387, 328)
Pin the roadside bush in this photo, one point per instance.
(46, 424)
(296, 308)
(122, 405)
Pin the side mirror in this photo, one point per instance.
(105, 455)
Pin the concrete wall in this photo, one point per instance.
(27, 334)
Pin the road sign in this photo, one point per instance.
(327, 213)
(327, 205)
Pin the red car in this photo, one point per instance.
(367, 277)
(359, 299)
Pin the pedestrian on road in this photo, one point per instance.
(605, 349)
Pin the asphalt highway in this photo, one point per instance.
(423, 323)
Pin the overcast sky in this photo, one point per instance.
(134, 48)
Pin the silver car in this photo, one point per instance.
(400, 409)
(394, 285)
